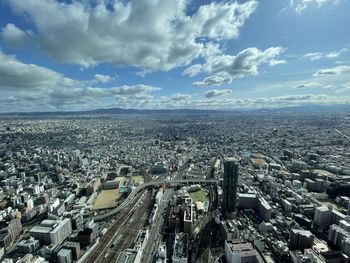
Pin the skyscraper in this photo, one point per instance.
(230, 186)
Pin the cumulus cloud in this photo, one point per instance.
(332, 71)
(30, 87)
(245, 63)
(215, 80)
(15, 75)
(215, 93)
(150, 35)
(132, 90)
(15, 37)
(136, 91)
(180, 97)
(227, 67)
(102, 78)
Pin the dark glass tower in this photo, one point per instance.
(230, 186)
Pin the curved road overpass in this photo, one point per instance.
(132, 195)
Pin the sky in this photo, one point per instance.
(66, 55)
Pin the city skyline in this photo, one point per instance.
(82, 55)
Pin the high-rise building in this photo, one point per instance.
(230, 186)
(188, 216)
(300, 239)
(323, 216)
(9, 231)
(64, 256)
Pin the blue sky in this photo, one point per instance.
(76, 55)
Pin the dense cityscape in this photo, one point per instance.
(174, 131)
(194, 188)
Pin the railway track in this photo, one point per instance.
(106, 239)
(127, 235)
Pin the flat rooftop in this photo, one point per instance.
(127, 256)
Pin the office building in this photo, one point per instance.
(237, 252)
(64, 256)
(300, 239)
(264, 209)
(336, 235)
(9, 231)
(28, 246)
(323, 216)
(51, 231)
(230, 186)
(188, 216)
(74, 247)
(260, 205)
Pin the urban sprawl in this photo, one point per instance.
(177, 188)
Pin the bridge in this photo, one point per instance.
(159, 183)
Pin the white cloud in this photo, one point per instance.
(215, 80)
(312, 84)
(330, 55)
(332, 71)
(227, 68)
(275, 62)
(315, 84)
(301, 5)
(132, 90)
(150, 35)
(215, 93)
(15, 75)
(180, 97)
(251, 103)
(102, 78)
(192, 70)
(345, 88)
(313, 56)
(15, 37)
(28, 87)
(136, 91)
(336, 54)
(245, 63)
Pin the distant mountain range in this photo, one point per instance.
(114, 111)
(120, 111)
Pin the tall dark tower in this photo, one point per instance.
(230, 187)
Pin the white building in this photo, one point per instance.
(51, 231)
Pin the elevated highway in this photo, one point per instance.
(144, 186)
